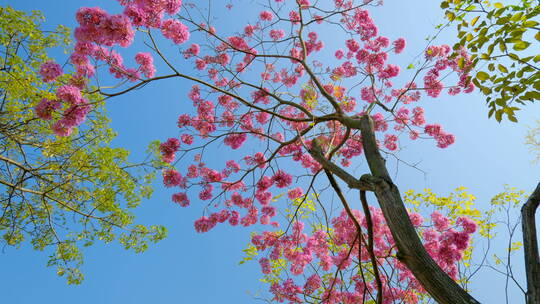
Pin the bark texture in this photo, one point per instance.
(530, 246)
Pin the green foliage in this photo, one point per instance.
(504, 43)
(59, 194)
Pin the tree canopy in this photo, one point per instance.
(503, 40)
(60, 193)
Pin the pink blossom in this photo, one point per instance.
(352, 45)
(181, 199)
(45, 108)
(187, 139)
(402, 116)
(263, 197)
(313, 283)
(264, 183)
(282, 179)
(50, 70)
(265, 265)
(418, 116)
(295, 193)
(277, 34)
(193, 50)
(413, 134)
(60, 129)
(200, 64)
(399, 45)
(433, 130)
(258, 160)
(231, 164)
(206, 193)
(294, 16)
(469, 226)
(235, 140)
(266, 16)
(76, 114)
(168, 149)
(175, 30)
(146, 62)
(444, 140)
(440, 221)
(70, 94)
(172, 178)
(379, 122)
(204, 224)
(234, 218)
(390, 142)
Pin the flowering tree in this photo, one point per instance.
(291, 116)
(59, 193)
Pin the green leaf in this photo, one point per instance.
(483, 76)
(532, 95)
(521, 45)
(474, 20)
(498, 115)
(498, 5)
(530, 23)
(537, 36)
(490, 113)
(502, 68)
(516, 17)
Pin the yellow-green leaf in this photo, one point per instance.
(521, 45)
(474, 20)
(502, 68)
(483, 76)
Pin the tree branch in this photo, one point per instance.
(351, 181)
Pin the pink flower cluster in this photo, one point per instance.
(168, 149)
(50, 70)
(146, 62)
(441, 55)
(150, 13)
(443, 139)
(77, 108)
(98, 27)
(46, 107)
(175, 30)
(399, 45)
(172, 178)
(340, 250)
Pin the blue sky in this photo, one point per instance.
(191, 268)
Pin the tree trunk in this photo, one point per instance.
(530, 246)
(410, 249)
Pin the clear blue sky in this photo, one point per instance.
(192, 268)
